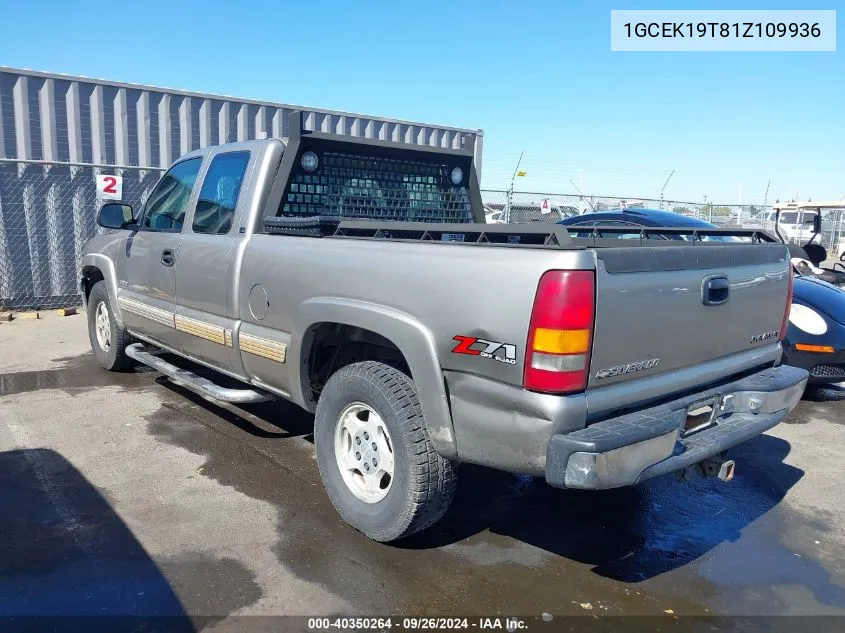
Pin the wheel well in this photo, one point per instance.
(331, 346)
(90, 276)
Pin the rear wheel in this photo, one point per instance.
(108, 339)
(376, 460)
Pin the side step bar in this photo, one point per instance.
(190, 380)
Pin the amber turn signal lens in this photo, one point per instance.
(561, 341)
(823, 349)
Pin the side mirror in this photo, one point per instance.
(114, 215)
(817, 223)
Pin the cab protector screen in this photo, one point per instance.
(378, 188)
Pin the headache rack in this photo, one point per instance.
(340, 176)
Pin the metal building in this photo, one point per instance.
(57, 132)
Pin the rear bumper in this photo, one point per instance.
(637, 446)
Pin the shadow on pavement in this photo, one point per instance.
(825, 393)
(276, 419)
(66, 556)
(628, 534)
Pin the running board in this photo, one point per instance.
(190, 380)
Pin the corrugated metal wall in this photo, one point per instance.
(59, 118)
(57, 132)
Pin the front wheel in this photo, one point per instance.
(108, 339)
(376, 460)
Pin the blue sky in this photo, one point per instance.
(536, 76)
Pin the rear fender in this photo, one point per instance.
(413, 339)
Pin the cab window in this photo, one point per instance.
(169, 201)
(219, 194)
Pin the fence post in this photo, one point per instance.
(508, 204)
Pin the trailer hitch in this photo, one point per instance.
(716, 466)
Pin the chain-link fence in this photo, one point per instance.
(549, 207)
(47, 212)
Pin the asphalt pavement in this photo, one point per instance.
(125, 494)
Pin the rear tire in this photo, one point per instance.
(108, 339)
(420, 484)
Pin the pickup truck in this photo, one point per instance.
(357, 279)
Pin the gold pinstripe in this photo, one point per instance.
(147, 311)
(264, 347)
(248, 343)
(200, 329)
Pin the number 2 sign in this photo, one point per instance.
(109, 187)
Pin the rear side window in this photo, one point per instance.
(219, 194)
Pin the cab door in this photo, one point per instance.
(146, 268)
(205, 308)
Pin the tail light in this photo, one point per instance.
(785, 323)
(560, 335)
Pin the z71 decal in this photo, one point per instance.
(472, 346)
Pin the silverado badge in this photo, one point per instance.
(764, 336)
(618, 370)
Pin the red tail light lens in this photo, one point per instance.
(785, 323)
(560, 335)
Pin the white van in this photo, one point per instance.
(795, 225)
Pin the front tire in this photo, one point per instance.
(374, 454)
(108, 339)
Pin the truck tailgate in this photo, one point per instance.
(660, 309)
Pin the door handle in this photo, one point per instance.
(715, 290)
(168, 257)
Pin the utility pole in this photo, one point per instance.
(664, 187)
(510, 190)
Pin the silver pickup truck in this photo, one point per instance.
(357, 279)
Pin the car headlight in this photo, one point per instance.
(309, 161)
(807, 319)
(457, 176)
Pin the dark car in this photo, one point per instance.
(815, 339)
